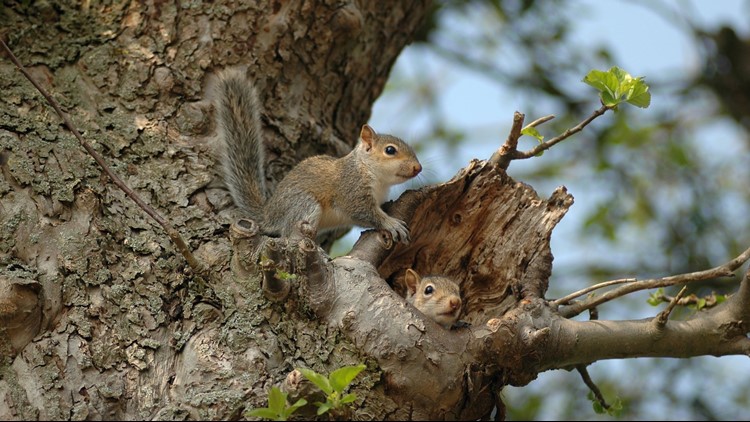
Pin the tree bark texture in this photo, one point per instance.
(101, 318)
(120, 328)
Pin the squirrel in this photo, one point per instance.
(437, 297)
(326, 192)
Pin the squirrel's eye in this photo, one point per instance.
(429, 289)
(390, 150)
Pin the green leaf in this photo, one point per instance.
(276, 400)
(617, 85)
(283, 275)
(615, 408)
(277, 409)
(531, 131)
(324, 407)
(597, 407)
(720, 298)
(291, 409)
(317, 379)
(638, 94)
(607, 84)
(600, 80)
(348, 398)
(265, 413)
(700, 303)
(342, 377)
(654, 299)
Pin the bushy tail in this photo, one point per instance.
(242, 150)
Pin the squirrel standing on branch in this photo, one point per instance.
(326, 192)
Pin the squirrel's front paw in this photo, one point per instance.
(398, 230)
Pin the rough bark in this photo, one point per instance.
(102, 319)
(120, 327)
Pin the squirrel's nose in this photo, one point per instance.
(455, 303)
(417, 168)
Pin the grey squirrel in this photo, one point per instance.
(437, 297)
(326, 192)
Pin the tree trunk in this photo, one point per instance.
(102, 317)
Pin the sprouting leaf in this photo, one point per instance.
(602, 81)
(317, 379)
(324, 407)
(276, 399)
(700, 303)
(607, 85)
(617, 85)
(265, 413)
(615, 408)
(531, 131)
(283, 275)
(291, 409)
(597, 407)
(277, 409)
(334, 385)
(348, 398)
(342, 377)
(638, 94)
(654, 299)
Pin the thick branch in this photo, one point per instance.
(739, 304)
(385, 327)
(716, 332)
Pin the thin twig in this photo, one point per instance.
(593, 316)
(171, 231)
(590, 384)
(564, 300)
(539, 121)
(572, 131)
(663, 316)
(509, 152)
(725, 270)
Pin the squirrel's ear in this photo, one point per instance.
(412, 280)
(367, 135)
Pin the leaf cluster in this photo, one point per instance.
(616, 86)
(277, 409)
(333, 386)
(692, 301)
(612, 409)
